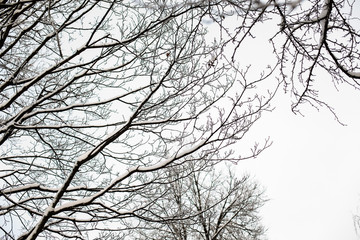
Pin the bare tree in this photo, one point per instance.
(207, 204)
(98, 98)
(319, 36)
(356, 221)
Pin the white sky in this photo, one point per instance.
(311, 172)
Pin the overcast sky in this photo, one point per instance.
(311, 172)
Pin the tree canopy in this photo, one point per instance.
(99, 99)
